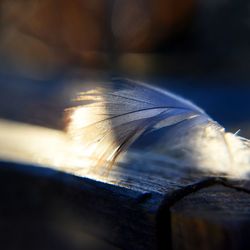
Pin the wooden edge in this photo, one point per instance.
(197, 215)
(215, 217)
(45, 209)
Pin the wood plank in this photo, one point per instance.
(51, 204)
(57, 204)
(216, 217)
(122, 209)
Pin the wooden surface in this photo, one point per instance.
(139, 206)
(215, 217)
(47, 208)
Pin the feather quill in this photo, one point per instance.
(107, 120)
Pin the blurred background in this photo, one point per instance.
(197, 48)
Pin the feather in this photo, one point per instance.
(107, 120)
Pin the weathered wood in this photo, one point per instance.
(215, 217)
(49, 209)
(144, 203)
(123, 208)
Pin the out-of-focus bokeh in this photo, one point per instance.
(40, 39)
(43, 39)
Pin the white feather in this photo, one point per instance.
(109, 119)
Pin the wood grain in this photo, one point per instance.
(49, 202)
(215, 217)
(125, 213)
